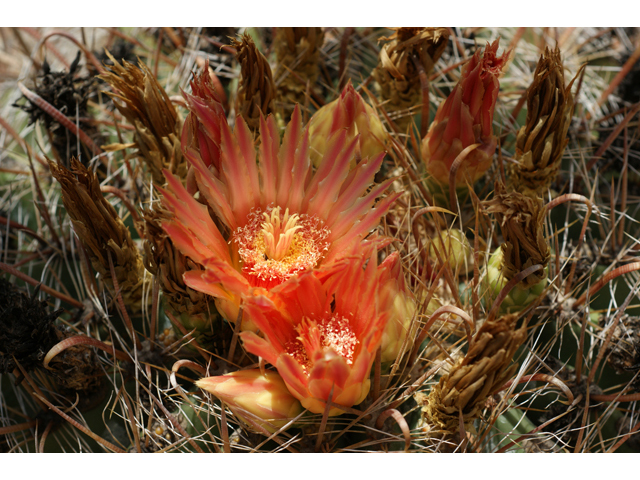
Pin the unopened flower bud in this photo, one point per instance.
(465, 119)
(352, 113)
(251, 392)
(452, 247)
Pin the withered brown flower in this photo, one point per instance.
(298, 54)
(68, 92)
(521, 219)
(482, 372)
(256, 89)
(28, 331)
(102, 232)
(147, 107)
(397, 74)
(541, 141)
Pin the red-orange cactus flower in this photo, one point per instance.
(262, 395)
(349, 111)
(321, 331)
(274, 216)
(465, 119)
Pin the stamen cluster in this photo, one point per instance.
(274, 247)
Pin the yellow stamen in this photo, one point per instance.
(335, 333)
(272, 229)
(274, 248)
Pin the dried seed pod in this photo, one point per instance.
(623, 352)
(77, 369)
(102, 232)
(148, 108)
(482, 372)
(541, 141)
(192, 308)
(256, 89)
(397, 74)
(298, 53)
(521, 220)
(28, 332)
(69, 93)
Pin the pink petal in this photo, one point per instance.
(335, 145)
(293, 376)
(243, 197)
(269, 142)
(197, 279)
(193, 216)
(248, 154)
(214, 192)
(260, 347)
(329, 187)
(301, 169)
(286, 156)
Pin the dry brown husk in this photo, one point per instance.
(101, 231)
(396, 73)
(482, 372)
(623, 351)
(28, 331)
(521, 220)
(298, 54)
(166, 262)
(77, 368)
(541, 141)
(256, 89)
(147, 107)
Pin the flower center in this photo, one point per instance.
(274, 246)
(279, 237)
(334, 332)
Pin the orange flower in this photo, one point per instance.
(264, 396)
(349, 111)
(321, 331)
(465, 119)
(274, 216)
